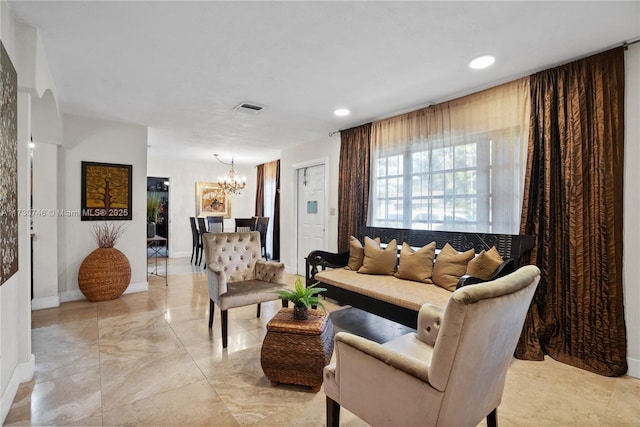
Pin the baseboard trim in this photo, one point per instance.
(633, 367)
(67, 296)
(179, 254)
(137, 287)
(22, 374)
(46, 302)
(77, 295)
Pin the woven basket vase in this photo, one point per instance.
(104, 274)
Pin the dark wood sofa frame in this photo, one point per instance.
(511, 247)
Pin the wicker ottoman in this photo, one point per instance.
(296, 351)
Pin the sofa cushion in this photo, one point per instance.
(400, 292)
(416, 265)
(450, 266)
(378, 260)
(356, 253)
(485, 264)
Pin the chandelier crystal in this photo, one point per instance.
(231, 184)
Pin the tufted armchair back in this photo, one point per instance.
(235, 254)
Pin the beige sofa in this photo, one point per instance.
(399, 299)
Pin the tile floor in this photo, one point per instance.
(150, 359)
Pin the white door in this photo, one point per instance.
(311, 212)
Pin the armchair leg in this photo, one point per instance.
(211, 307)
(224, 328)
(333, 413)
(258, 311)
(492, 418)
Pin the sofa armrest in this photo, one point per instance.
(401, 361)
(429, 320)
(269, 271)
(324, 259)
(507, 266)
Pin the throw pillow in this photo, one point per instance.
(485, 264)
(378, 260)
(416, 265)
(356, 253)
(450, 265)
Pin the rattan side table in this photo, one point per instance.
(296, 351)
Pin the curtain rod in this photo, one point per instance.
(625, 45)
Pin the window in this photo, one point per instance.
(456, 166)
(447, 188)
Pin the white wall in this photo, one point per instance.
(183, 176)
(94, 140)
(16, 360)
(328, 148)
(631, 261)
(45, 225)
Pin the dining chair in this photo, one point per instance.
(216, 224)
(262, 225)
(202, 228)
(245, 224)
(196, 241)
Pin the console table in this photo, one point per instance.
(155, 254)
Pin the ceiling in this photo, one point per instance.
(181, 67)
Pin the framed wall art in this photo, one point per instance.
(106, 192)
(210, 201)
(8, 167)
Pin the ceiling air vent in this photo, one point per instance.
(249, 107)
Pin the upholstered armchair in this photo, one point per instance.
(451, 372)
(236, 274)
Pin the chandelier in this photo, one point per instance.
(230, 184)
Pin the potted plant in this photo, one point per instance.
(302, 298)
(153, 208)
(105, 273)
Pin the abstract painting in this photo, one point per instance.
(106, 192)
(210, 201)
(8, 167)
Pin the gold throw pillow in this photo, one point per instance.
(416, 265)
(485, 264)
(356, 253)
(450, 265)
(378, 260)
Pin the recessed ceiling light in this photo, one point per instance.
(482, 62)
(342, 112)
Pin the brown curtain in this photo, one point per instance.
(260, 190)
(276, 216)
(353, 185)
(573, 204)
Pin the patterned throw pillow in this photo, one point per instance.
(416, 265)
